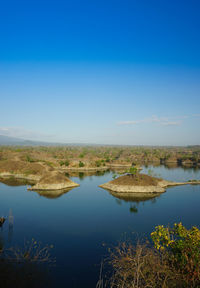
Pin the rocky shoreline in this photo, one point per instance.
(159, 186)
(52, 180)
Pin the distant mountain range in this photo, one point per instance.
(6, 140)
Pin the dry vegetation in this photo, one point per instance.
(138, 179)
(83, 157)
(33, 163)
(172, 261)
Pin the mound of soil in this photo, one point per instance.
(54, 178)
(22, 167)
(135, 180)
(54, 181)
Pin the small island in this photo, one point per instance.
(53, 181)
(41, 176)
(141, 184)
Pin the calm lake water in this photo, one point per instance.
(82, 223)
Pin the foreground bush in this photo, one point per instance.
(182, 247)
(172, 261)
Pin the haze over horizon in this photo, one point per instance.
(103, 72)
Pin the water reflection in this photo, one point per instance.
(10, 226)
(26, 266)
(134, 199)
(12, 181)
(133, 209)
(83, 174)
(78, 223)
(52, 194)
(171, 166)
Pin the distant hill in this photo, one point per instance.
(6, 140)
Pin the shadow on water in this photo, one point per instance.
(27, 266)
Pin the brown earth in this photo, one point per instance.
(138, 179)
(54, 181)
(22, 167)
(54, 178)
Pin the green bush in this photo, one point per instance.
(133, 170)
(81, 164)
(66, 163)
(182, 247)
(61, 163)
(173, 262)
(98, 163)
(29, 159)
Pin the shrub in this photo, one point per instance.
(29, 159)
(98, 163)
(139, 267)
(114, 176)
(133, 170)
(182, 247)
(81, 164)
(66, 163)
(174, 262)
(61, 163)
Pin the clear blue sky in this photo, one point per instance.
(108, 72)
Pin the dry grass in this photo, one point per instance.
(54, 178)
(17, 166)
(141, 266)
(138, 179)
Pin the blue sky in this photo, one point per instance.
(107, 72)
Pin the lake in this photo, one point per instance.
(82, 223)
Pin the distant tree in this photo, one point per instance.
(81, 164)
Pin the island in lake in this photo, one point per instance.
(48, 168)
(141, 185)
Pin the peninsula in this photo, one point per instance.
(141, 184)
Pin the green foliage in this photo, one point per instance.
(48, 163)
(98, 163)
(174, 263)
(29, 159)
(133, 170)
(81, 164)
(182, 247)
(66, 163)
